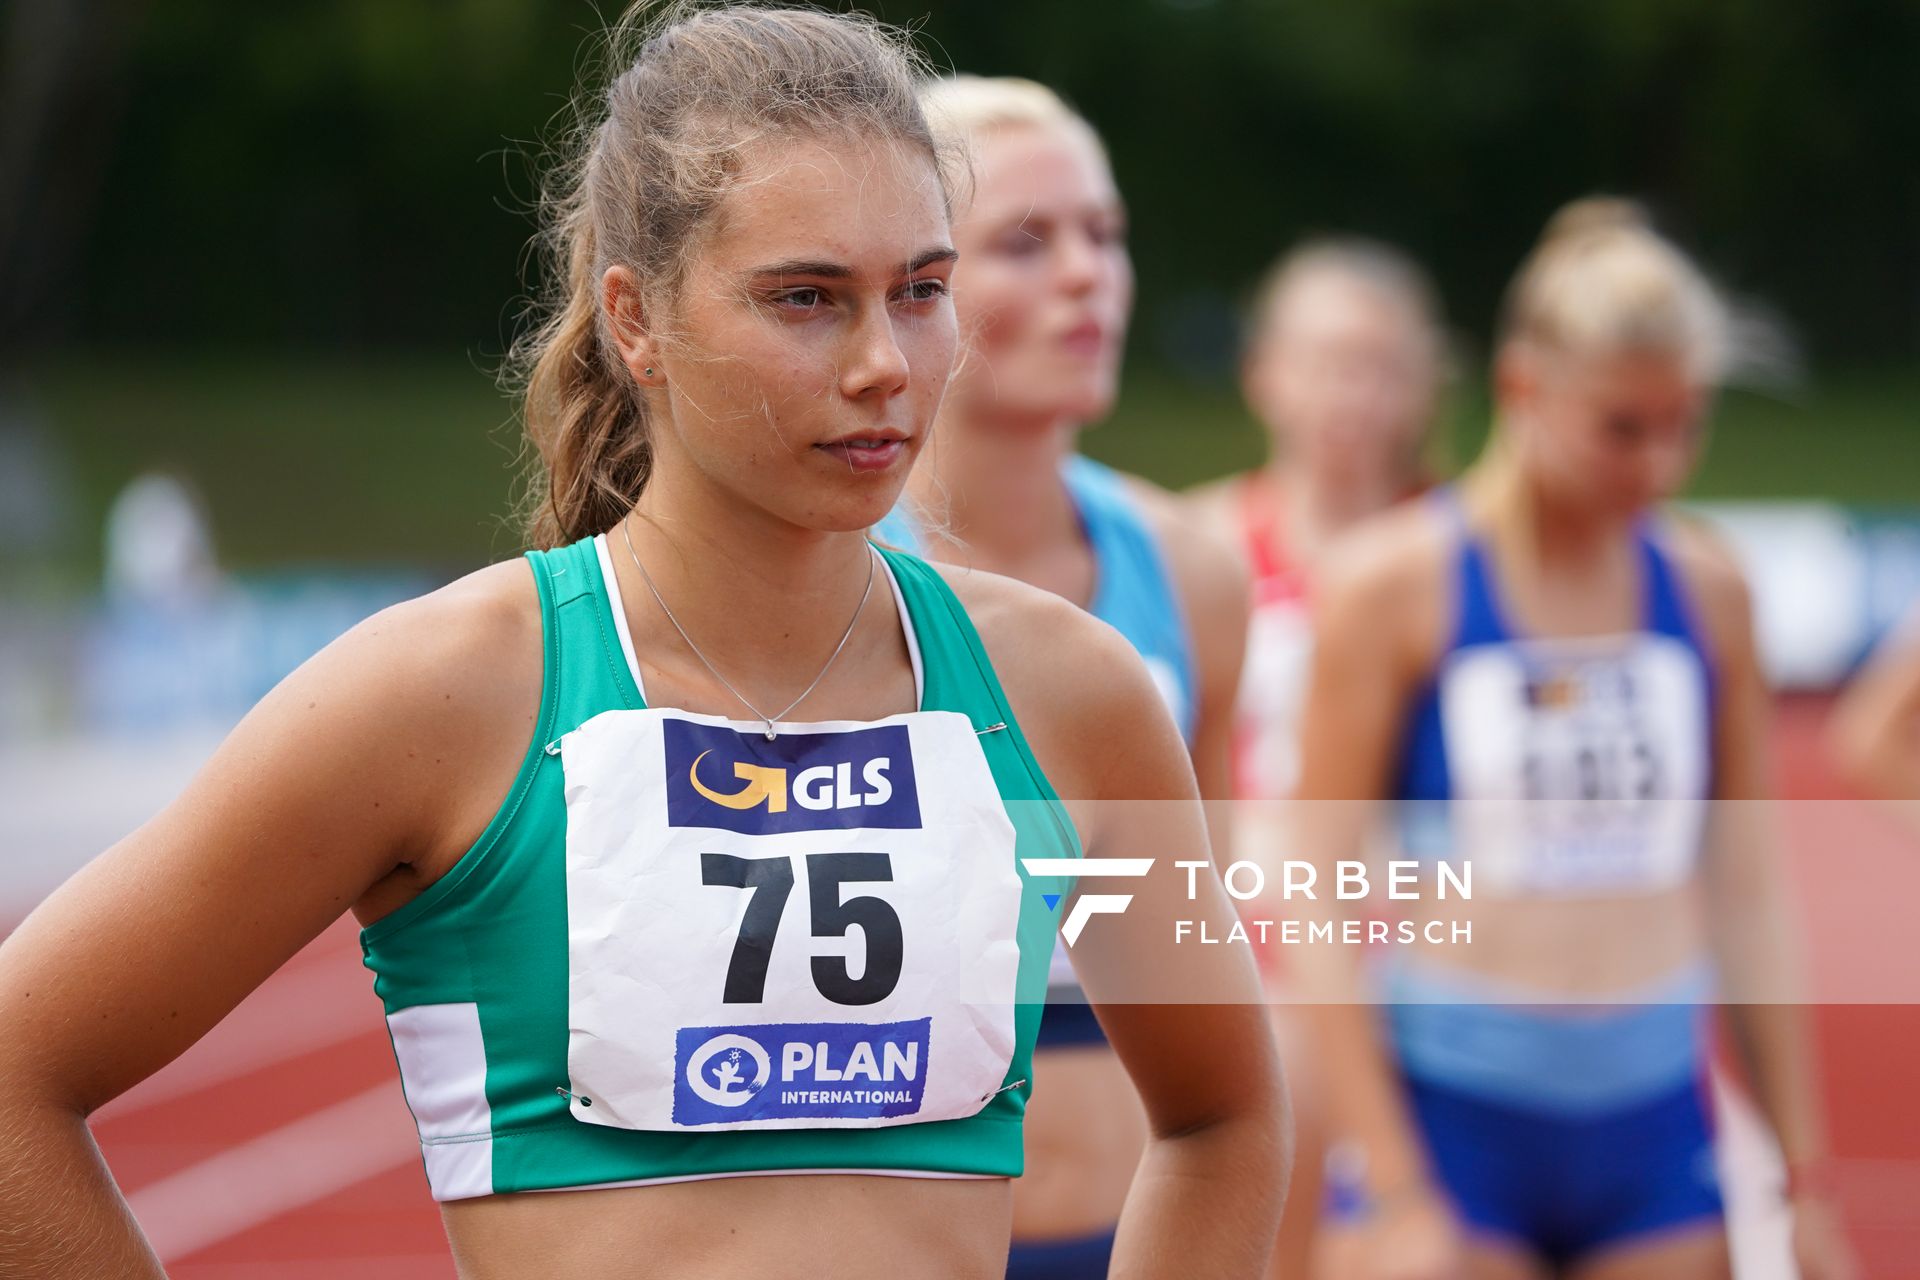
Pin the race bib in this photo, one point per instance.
(1578, 767)
(817, 931)
(1272, 699)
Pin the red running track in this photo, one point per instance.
(281, 1146)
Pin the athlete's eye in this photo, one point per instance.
(1022, 241)
(926, 290)
(800, 299)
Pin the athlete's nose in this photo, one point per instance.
(876, 365)
(1081, 266)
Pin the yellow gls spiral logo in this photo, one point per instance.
(763, 783)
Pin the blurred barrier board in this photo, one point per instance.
(1828, 582)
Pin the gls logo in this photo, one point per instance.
(720, 777)
(1088, 905)
(823, 786)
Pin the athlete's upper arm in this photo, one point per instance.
(341, 773)
(1874, 734)
(1723, 607)
(1378, 614)
(1216, 595)
(1102, 732)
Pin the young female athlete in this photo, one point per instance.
(1343, 367)
(1043, 296)
(1558, 679)
(1343, 364)
(636, 929)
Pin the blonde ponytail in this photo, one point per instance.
(1602, 280)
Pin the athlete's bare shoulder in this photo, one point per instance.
(470, 643)
(1212, 574)
(1216, 503)
(1082, 695)
(1714, 580)
(1387, 578)
(435, 696)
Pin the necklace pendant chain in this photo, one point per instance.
(626, 532)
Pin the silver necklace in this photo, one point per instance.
(626, 531)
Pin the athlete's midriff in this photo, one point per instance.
(1577, 947)
(1082, 1145)
(847, 1226)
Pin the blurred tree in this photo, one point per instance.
(355, 172)
(61, 83)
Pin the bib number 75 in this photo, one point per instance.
(770, 881)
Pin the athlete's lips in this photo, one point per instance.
(874, 450)
(1088, 338)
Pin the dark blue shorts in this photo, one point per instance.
(1566, 1185)
(1067, 1024)
(1086, 1258)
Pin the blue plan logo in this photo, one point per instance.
(717, 777)
(799, 1070)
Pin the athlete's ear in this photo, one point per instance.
(626, 312)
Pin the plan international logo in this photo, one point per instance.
(800, 1071)
(720, 777)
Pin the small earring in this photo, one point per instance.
(648, 371)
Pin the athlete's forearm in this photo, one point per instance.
(61, 1216)
(1757, 944)
(1206, 1203)
(1364, 1101)
(1776, 1050)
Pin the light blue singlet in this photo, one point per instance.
(1133, 592)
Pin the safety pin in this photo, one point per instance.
(981, 733)
(585, 1101)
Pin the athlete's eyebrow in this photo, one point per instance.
(820, 269)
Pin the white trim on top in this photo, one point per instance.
(612, 580)
(619, 608)
(913, 638)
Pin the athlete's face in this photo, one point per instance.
(806, 352)
(1612, 434)
(1045, 285)
(1344, 376)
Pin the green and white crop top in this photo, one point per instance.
(682, 951)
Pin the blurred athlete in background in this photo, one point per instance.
(1343, 366)
(1556, 679)
(1043, 288)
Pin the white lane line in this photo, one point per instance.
(305, 1161)
(293, 1013)
(1751, 1175)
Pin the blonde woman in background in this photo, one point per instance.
(1556, 679)
(1043, 289)
(1343, 367)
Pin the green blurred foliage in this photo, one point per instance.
(307, 250)
(356, 172)
(358, 458)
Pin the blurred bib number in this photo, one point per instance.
(813, 932)
(1577, 766)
